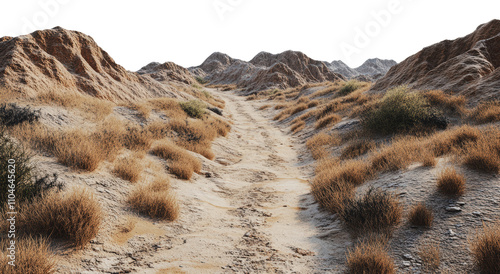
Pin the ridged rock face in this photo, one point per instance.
(369, 70)
(467, 65)
(168, 72)
(341, 68)
(59, 60)
(266, 70)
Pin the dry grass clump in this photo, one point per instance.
(281, 106)
(330, 194)
(486, 249)
(449, 102)
(313, 103)
(129, 169)
(420, 215)
(143, 109)
(264, 107)
(370, 258)
(451, 183)
(300, 125)
(349, 87)
(355, 172)
(74, 216)
(33, 255)
(329, 89)
(375, 211)
(195, 136)
(453, 140)
(317, 143)
(430, 255)
(357, 148)
(289, 111)
(398, 155)
(194, 108)
(220, 126)
(487, 112)
(169, 106)
(96, 109)
(181, 163)
(137, 138)
(327, 121)
(484, 154)
(155, 200)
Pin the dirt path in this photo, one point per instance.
(251, 212)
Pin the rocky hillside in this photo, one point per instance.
(265, 70)
(168, 72)
(467, 65)
(70, 61)
(370, 69)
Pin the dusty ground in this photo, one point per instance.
(250, 212)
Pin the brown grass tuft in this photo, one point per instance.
(430, 255)
(487, 112)
(486, 249)
(451, 183)
(298, 126)
(484, 155)
(32, 256)
(181, 163)
(155, 200)
(75, 216)
(451, 140)
(328, 120)
(443, 100)
(398, 155)
(357, 148)
(94, 108)
(317, 143)
(420, 215)
(129, 169)
(369, 258)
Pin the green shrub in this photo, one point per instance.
(350, 86)
(402, 110)
(194, 108)
(201, 80)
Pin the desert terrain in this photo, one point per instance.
(282, 164)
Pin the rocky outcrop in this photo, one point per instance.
(371, 69)
(59, 60)
(467, 65)
(168, 72)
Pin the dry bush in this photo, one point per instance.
(281, 106)
(143, 109)
(454, 139)
(332, 195)
(486, 249)
(355, 172)
(197, 135)
(264, 107)
(486, 112)
(220, 126)
(109, 134)
(33, 256)
(169, 106)
(349, 87)
(430, 255)
(129, 169)
(75, 216)
(328, 120)
(443, 100)
(181, 163)
(298, 126)
(451, 183)
(317, 143)
(329, 89)
(420, 215)
(95, 108)
(398, 155)
(304, 100)
(428, 158)
(484, 154)
(370, 258)
(313, 103)
(194, 108)
(357, 148)
(375, 211)
(155, 200)
(137, 138)
(158, 129)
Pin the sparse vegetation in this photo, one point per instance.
(487, 112)
(128, 169)
(451, 183)
(446, 101)
(430, 255)
(11, 115)
(327, 121)
(370, 258)
(317, 143)
(182, 163)
(33, 256)
(375, 211)
(74, 216)
(201, 80)
(155, 200)
(484, 154)
(349, 87)
(357, 148)
(486, 249)
(420, 215)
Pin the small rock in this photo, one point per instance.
(451, 233)
(96, 248)
(406, 263)
(208, 175)
(476, 213)
(461, 203)
(453, 209)
(408, 257)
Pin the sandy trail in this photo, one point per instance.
(250, 212)
(254, 214)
